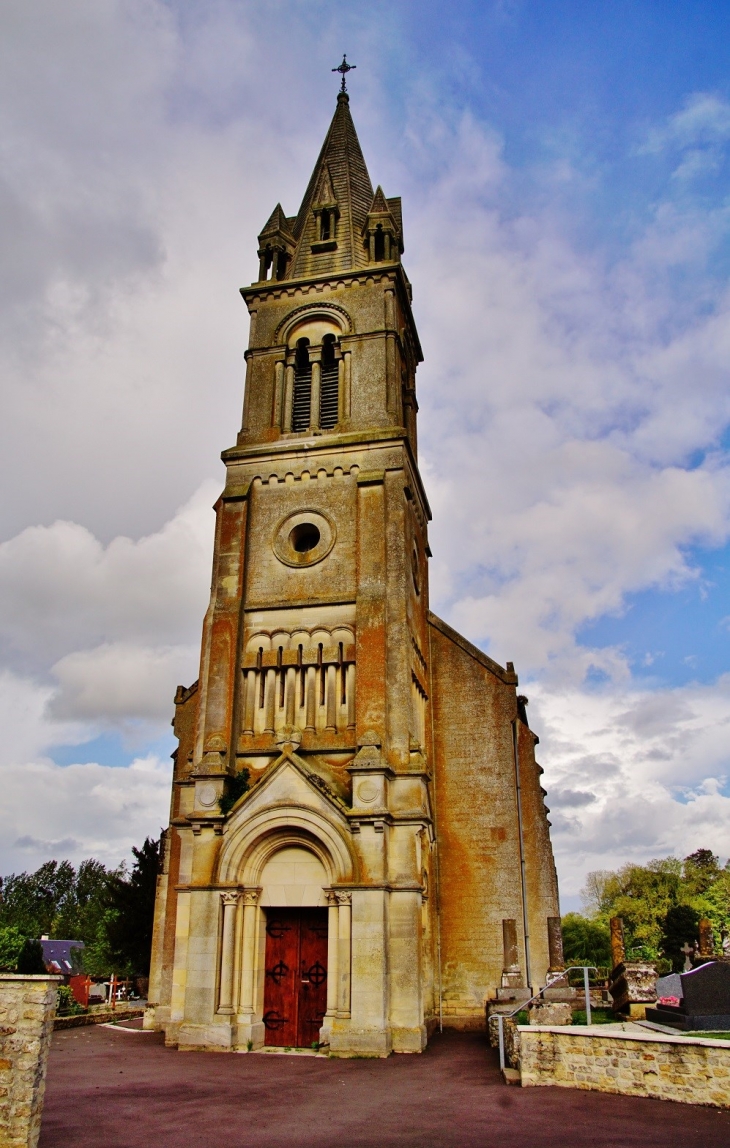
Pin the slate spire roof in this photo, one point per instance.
(340, 186)
(340, 171)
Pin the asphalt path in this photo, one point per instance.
(117, 1089)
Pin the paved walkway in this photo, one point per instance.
(110, 1089)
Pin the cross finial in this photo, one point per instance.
(344, 68)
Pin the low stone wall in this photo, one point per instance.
(105, 1017)
(27, 1007)
(666, 1067)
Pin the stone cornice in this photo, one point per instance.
(316, 284)
(303, 450)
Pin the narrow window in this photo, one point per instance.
(322, 673)
(302, 678)
(262, 676)
(324, 232)
(302, 387)
(329, 396)
(282, 678)
(379, 245)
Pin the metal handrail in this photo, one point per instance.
(586, 969)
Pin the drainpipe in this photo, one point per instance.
(437, 852)
(523, 879)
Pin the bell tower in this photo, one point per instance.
(332, 706)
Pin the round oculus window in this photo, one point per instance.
(304, 538)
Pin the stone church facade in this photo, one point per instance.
(358, 845)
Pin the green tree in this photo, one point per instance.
(700, 871)
(585, 941)
(11, 944)
(31, 901)
(680, 927)
(30, 959)
(132, 902)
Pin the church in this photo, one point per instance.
(358, 849)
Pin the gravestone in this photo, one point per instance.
(670, 986)
(705, 1003)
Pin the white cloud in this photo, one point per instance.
(565, 401)
(79, 811)
(557, 425)
(61, 589)
(633, 774)
(121, 683)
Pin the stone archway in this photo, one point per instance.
(285, 859)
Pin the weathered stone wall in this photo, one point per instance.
(693, 1071)
(27, 1009)
(474, 705)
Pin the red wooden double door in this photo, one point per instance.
(295, 992)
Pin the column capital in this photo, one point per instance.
(250, 896)
(344, 896)
(331, 896)
(230, 898)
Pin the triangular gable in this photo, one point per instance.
(325, 194)
(290, 779)
(380, 203)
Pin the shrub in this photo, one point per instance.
(11, 944)
(30, 959)
(236, 787)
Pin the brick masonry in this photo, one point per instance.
(27, 1009)
(689, 1070)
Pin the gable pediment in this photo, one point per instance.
(290, 781)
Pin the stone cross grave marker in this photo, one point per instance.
(687, 950)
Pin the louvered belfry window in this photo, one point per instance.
(329, 385)
(302, 388)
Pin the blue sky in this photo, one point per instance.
(564, 174)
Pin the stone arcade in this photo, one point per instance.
(390, 862)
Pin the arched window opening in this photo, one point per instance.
(379, 245)
(302, 387)
(280, 264)
(329, 394)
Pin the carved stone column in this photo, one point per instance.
(331, 698)
(270, 701)
(278, 393)
(230, 907)
(351, 696)
(250, 898)
(311, 698)
(315, 393)
(288, 396)
(344, 901)
(333, 943)
(250, 701)
(291, 691)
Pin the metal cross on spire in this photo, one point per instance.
(344, 68)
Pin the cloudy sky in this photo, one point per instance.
(564, 171)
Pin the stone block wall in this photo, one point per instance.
(693, 1071)
(27, 1009)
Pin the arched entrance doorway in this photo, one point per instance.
(293, 881)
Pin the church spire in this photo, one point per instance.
(341, 224)
(328, 229)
